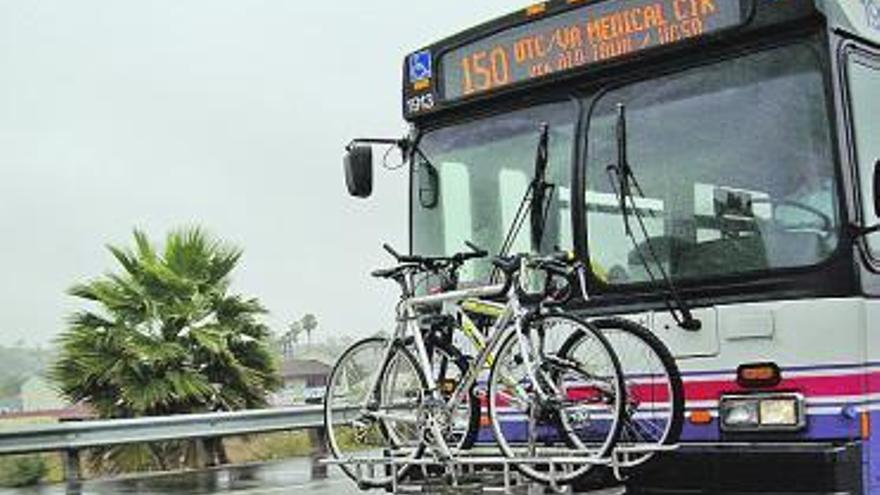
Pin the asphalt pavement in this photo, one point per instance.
(285, 477)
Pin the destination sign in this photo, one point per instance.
(579, 37)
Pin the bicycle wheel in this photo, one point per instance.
(372, 410)
(654, 411)
(462, 425)
(578, 417)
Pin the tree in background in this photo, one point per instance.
(18, 365)
(291, 337)
(166, 336)
(309, 324)
(295, 329)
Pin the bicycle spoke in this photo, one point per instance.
(654, 392)
(388, 418)
(577, 412)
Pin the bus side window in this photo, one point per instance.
(864, 90)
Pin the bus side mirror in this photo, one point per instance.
(429, 186)
(358, 165)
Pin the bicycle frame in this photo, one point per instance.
(509, 319)
(426, 410)
(407, 327)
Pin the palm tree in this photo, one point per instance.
(295, 329)
(165, 336)
(309, 323)
(291, 337)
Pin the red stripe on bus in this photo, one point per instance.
(707, 390)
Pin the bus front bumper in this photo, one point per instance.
(745, 468)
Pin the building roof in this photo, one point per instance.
(299, 368)
(77, 412)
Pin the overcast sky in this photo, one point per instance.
(232, 114)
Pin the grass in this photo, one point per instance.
(28, 470)
(283, 445)
(268, 447)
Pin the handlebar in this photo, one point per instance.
(477, 251)
(446, 267)
(557, 265)
(561, 265)
(391, 251)
(435, 262)
(400, 257)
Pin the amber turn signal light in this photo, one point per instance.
(701, 417)
(758, 375)
(536, 9)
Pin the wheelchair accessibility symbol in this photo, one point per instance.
(420, 66)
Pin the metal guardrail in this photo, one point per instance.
(73, 437)
(86, 434)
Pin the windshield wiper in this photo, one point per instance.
(541, 189)
(626, 184)
(535, 201)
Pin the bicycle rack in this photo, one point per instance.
(496, 474)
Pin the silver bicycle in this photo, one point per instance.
(555, 415)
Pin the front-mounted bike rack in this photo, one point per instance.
(482, 471)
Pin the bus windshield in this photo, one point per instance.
(736, 167)
(483, 169)
(734, 160)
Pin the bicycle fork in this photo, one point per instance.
(434, 403)
(534, 373)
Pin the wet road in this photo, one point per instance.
(290, 476)
(286, 477)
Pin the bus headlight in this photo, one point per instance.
(781, 412)
(739, 413)
(764, 412)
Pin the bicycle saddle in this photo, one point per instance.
(392, 273)
(507, 264)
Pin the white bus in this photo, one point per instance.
(754, 135)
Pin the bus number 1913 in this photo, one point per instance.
(420, 103)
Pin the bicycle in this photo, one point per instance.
(652, 418)
(395, 408)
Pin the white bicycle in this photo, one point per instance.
(555, 415)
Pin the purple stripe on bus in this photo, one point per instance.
(819, 427)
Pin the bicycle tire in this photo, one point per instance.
(333, 443)
(672, 431)
(575, 445)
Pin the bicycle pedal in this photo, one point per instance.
(447, 386)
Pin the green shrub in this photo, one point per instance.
(22, 470)
(270, 446)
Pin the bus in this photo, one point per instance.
(753, 136)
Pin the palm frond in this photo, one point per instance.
(125, 258)
(167, 336)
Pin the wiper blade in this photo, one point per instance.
(623, 170)
(540, 189)
(625, 183)
(534, 199)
